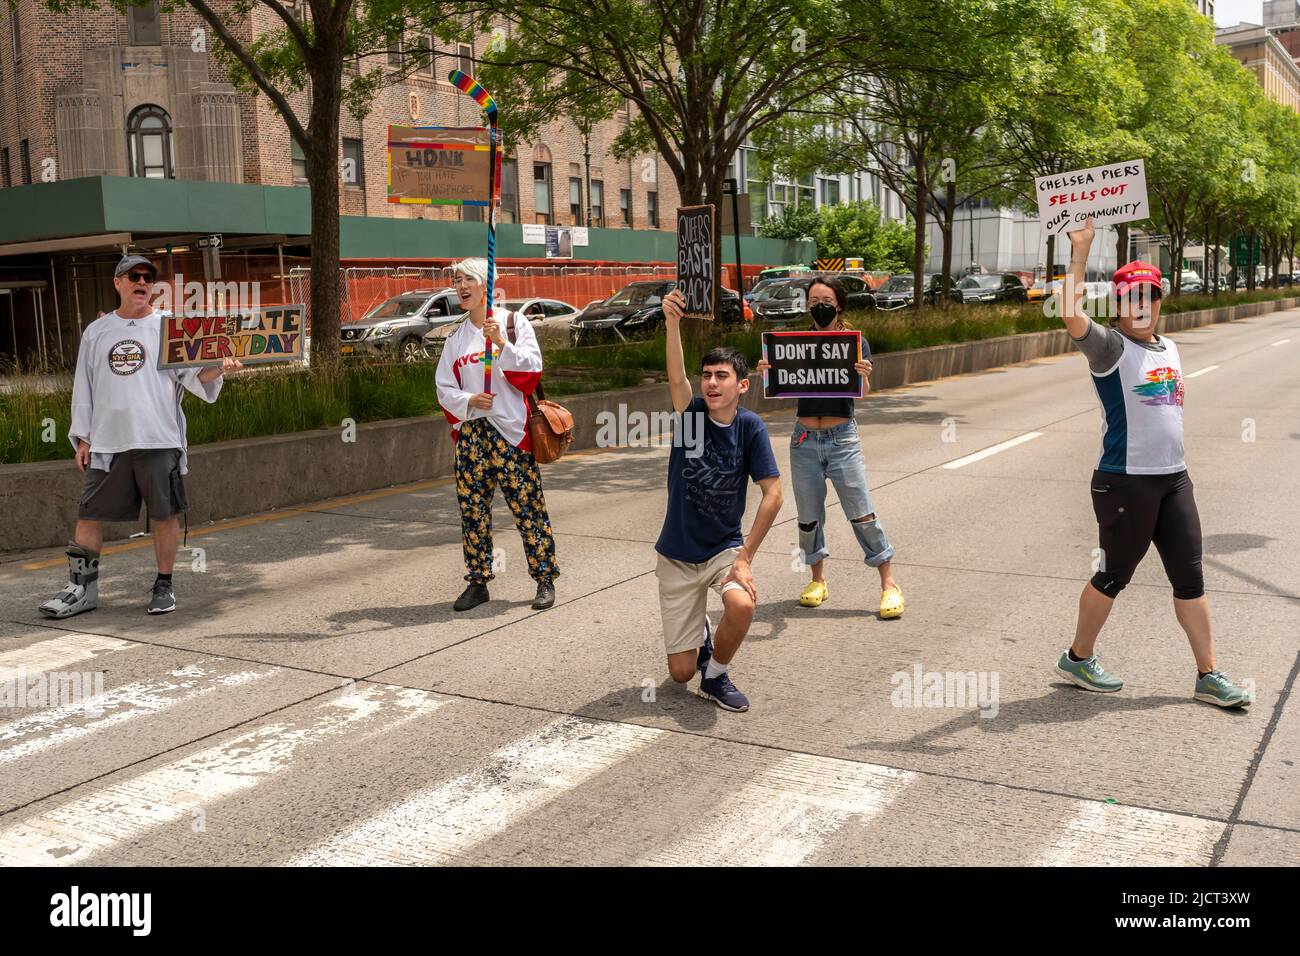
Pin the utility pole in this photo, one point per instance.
(732, 187)
(586, 160)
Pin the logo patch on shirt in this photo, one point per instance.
(1164, 386)
(126, 357)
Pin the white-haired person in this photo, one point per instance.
(489, 423)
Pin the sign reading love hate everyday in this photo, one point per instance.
(271, 334)
(812, 364)
(1110, 194)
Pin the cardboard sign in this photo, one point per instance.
(442, 165)
(695, 226)
(812, 364)
(1110, 194)
(272, 334)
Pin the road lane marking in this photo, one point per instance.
(993, 450)
(57, 653)
(1200, 371)
(1279, 342)
(1102, 834)
(438, 824)
(33, 733)
(124, 811)
(787, 813)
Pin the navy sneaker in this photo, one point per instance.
(706, 650)
(723, 692)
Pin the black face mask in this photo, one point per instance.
(823, 314)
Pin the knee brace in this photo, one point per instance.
(1110, 583)
(875, 543)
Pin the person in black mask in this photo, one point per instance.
(825, 445)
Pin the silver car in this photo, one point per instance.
(397, 326)
(551, 318)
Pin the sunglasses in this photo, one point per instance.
(140, 276)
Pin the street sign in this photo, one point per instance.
(1242, 253)
(210, 242)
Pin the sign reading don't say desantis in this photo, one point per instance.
(442, 165)
(812, 364)
(269, 334)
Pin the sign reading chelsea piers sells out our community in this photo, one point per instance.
(1113, 193)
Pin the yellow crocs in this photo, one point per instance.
(891, 603)
(814, 594)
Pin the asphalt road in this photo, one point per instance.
(315, 701)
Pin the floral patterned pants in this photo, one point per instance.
(484, 460)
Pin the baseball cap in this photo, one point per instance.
(1134, 274)
(128, 263)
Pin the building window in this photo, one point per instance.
(542, 191)
(25, 159)
(757, 200)
(353, 172)
(142, 27)
(430, 68)
(625, 206)
(652, 210)
(465, 58)
(509, 191)
(807, 191)
(149, 143)
(395, 50)
(4, 167)
(597, 198)
(471, 213)
(830, 192)
(299, 159)
(575, 200)
(15, 32)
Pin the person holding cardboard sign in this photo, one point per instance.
(825, 446)
(488, 414)
(128, 430)
(718, 448)
(1141, 492)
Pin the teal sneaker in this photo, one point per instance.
(1218, 689)
(1088, 674)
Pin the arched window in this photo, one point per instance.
(149, 143)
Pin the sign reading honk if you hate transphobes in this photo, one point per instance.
(1113, 193)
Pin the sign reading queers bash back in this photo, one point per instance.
(270, 334)
(695, 260)
(1110, 194)
(812, 364)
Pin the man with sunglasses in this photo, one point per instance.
(1141, 493)
(128, 430)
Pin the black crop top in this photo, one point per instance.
(825, 408)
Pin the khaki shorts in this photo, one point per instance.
(684, 593)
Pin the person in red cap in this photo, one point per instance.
(1141, 493)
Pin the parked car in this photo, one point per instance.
(990, 287)
(397, 327)
(896, 293)
(550, 319)
(636, 311)
(761, 288)
(786, 302)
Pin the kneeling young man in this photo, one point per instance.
(717, 448)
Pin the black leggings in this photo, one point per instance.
(1135, 510)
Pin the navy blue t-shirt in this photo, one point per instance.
(706, 492)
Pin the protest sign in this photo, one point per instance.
(695, 260)
(270, 334)
(442, 165)
(812, 364)
(1110, 194)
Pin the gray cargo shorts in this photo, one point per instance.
(150, 475)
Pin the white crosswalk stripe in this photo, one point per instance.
(122, 811)
(787, 813)
(40, 731)
(1103, 834)
(57, 653)
(437, 824)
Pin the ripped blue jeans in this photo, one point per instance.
(818, 454)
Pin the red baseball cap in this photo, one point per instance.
(1134, 274)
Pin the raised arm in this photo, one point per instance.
(1071, 290)
(679, 386)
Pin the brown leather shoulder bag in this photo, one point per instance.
(550, 424)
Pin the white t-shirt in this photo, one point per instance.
(121, 400)
(516, 370)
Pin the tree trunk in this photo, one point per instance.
(918, 241)
(1250, 259)
(322, 154)
(1051, 261)
(949, 214)
(1121, 244)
